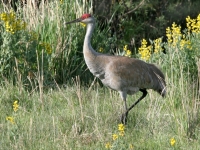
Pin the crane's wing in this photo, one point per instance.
(124, 72)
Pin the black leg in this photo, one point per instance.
(124, 118)
(143, 96)
(125, 115)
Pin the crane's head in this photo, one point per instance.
(85, 18)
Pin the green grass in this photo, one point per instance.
(75, 118)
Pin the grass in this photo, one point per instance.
(76, 117)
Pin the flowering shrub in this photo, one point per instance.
(11, 23)
(20, 48)
(181, 44)
(193, 25)
(17, 48)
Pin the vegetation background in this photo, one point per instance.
(49, 99)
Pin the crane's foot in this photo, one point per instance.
(124, 118)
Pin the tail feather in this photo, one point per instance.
(159, 80)
(162, 89)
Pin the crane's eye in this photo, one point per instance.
(84, 16)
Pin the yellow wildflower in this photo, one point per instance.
(47, 47)
(173, 34)
(144, 42)
(11, 16)
(172, 141)
(11, 119)
(114, 136)
(128, 52)
(193, 24)
(157, 45)
(176, 32)
(12, 24)
(108, 145)
(4, 17)
(15, 106)
(198, 17)
(125, 47)
(101, 50)
(121, 127)
(188, 19)
(144, 50)
(130, 146)
(169, 34)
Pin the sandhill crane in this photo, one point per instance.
(123, 74)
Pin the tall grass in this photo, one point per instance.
(72, 116)
(75, 118)
(47, 38)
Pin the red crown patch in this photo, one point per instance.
(84, 16)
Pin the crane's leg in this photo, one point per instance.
(125, 115)
(143, 96)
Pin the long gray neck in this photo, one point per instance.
(90, 55)
(89, 31)
(88, 51)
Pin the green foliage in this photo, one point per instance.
(181, 48)
(18, 50)
(45, 48)
(134, 20)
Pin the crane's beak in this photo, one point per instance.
(74, 21)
